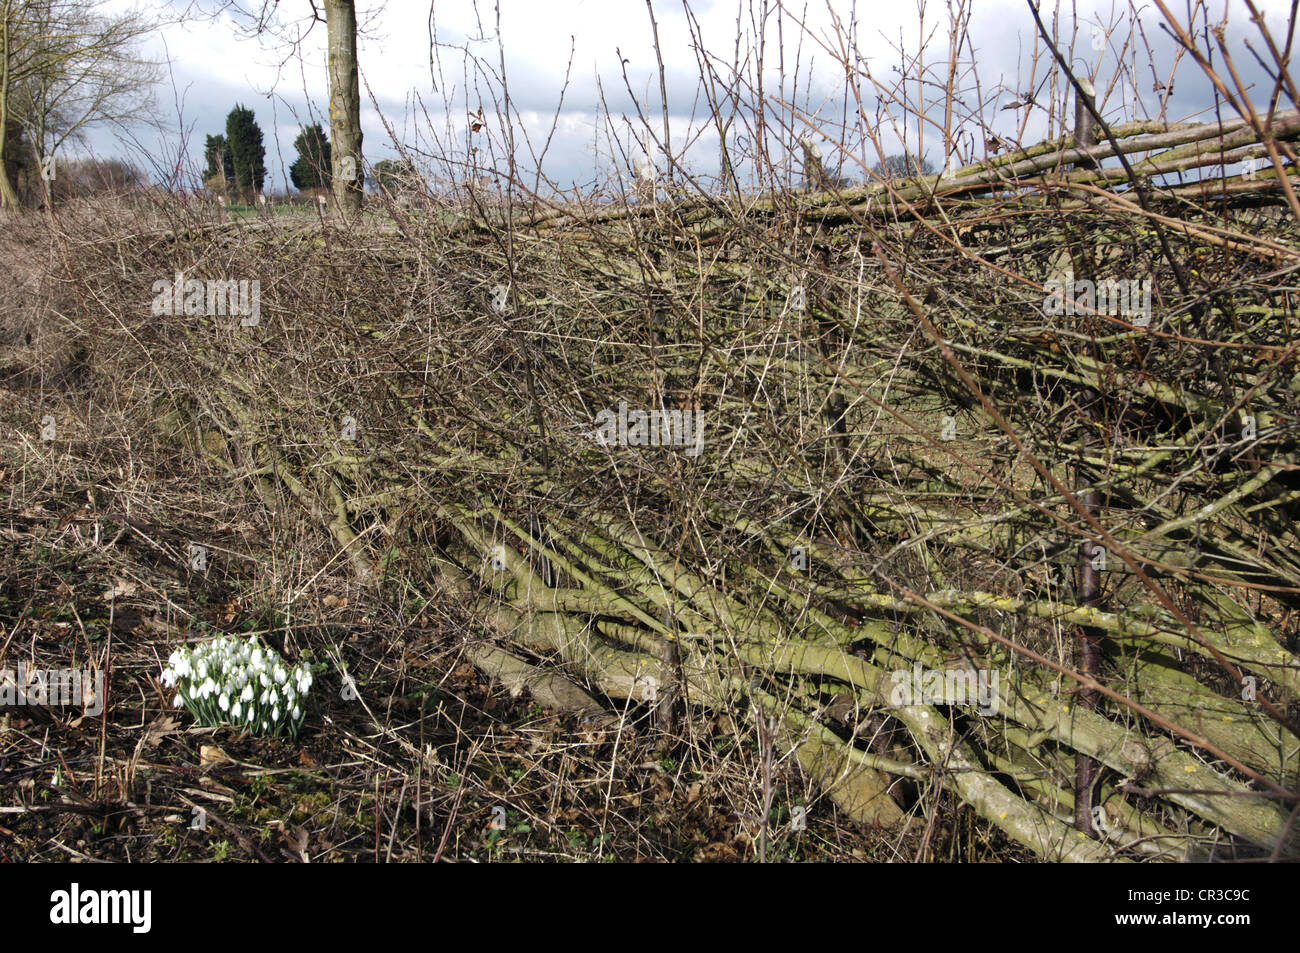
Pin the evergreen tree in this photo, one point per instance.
(217, 150)
(247, 153)
(396, 175)
(311, 170)
(902, 166)
(18, 167)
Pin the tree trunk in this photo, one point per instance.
(345, 104)
(8, 196)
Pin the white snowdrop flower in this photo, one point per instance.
(232, 680)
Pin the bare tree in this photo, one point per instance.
(344, 81)
(66, 65)
(345, 103)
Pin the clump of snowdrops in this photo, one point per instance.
(226, 681)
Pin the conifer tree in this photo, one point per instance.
(247, 154)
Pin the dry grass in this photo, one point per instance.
(95, 532)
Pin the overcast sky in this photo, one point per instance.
(423, 75)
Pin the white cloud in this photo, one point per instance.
(426, 91)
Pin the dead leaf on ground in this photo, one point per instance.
(211, 754)
(157, 730)
(121, 589)
(295, 842)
